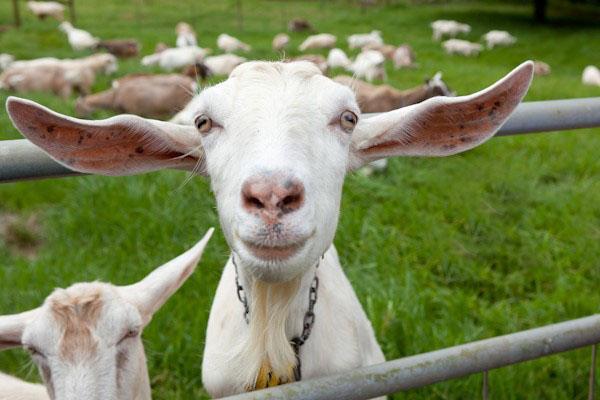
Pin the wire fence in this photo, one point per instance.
(20, 160)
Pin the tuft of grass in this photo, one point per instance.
(440, 251)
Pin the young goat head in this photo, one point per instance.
(276, 140)
(86, 339)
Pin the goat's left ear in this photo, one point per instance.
(440, 126)
(154, 290)
(121, 145)
(12, 327)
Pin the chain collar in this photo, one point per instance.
(309, 316)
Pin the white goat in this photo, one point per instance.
(591, 76)
(404, 57)
(360, 40)
(43, 9)
(338, 59)
(499, 38)
(176, 57)
(369, 65)
(276, 141)
(223, 64)
(541, 68)
(86, 339)
(78, 38)
(229, 44)
(186, 36)
(280, 41)
(320, 41)
(462, 47)
(5, 60)
(449, 28)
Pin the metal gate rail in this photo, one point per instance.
(441, 365)
(20, 159)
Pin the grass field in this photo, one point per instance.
(440, 251)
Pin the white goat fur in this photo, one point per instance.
(86, 339)
(320, 41)
(591, 76)
(448, 28)
(176, 57)
(230, 44)
(78, 38)
(498, 38)
(360, 40)
(5, 60)
(270, 120)
(462, 47)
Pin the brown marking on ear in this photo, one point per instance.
(77, 316)
(443, 126)
(108, 147)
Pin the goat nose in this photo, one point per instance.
(272, 197)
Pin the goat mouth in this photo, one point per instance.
(273, 253)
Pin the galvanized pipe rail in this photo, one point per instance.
(441, 365)
(20, 159)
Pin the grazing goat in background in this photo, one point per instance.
(448, 28)
(360, 40)
(186, 36)
(591, 76)
(276, 141)
(176, 57)
(86, 339)
(280, 41)
(43, 9)
(78, 38)
(498, 38)
(123, 48)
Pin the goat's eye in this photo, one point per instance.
(348, 121)
(34, 351)
(132, 333)
(203, 123)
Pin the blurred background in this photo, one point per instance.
(440, 251)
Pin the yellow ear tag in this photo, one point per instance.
(268, 378)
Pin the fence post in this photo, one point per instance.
(15, 4)
(72, 11)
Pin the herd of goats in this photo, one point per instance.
(162, 95)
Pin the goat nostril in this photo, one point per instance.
(289, 200)
(254, 202)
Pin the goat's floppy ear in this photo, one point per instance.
(440, 126)
(154, 290)
(12, 326)
(122, 145)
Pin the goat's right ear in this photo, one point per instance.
(149, 294)
(12, 327)
(121, 145)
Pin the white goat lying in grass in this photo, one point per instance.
(320, 41)
(276, 141)
(176, 57)
(86, 339)
(462, 47)
(360, 40)
(230, 44)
